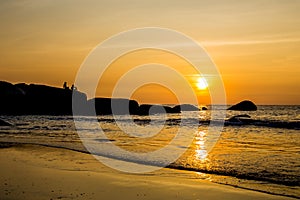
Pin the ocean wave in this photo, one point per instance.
(266, 176)
(241, 122)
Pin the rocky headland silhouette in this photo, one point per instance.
(34, 99)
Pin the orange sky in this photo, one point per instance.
(255, 44)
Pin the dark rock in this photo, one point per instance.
(108, 106)
(146, 109)
(8, 89)
(204, 108)
(240, 119)
(186, 107)
(244, 106)
(23, 99)
(79, 103)
(4, 123)
(171, 110)
(11, 98)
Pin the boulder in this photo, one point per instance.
(244, 106)
(186, 107)
(146, 109)
(108, 106)
(204, 108)
(169, 109)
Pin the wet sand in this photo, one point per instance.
(37, 172)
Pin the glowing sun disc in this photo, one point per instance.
(201, 83)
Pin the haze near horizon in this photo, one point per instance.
(254, 44)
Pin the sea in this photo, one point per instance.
(263, 155)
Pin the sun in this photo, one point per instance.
(201, 83)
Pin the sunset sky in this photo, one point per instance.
(255, 44)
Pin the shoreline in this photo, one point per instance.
(30, 171)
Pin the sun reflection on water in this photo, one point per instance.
(200, 151)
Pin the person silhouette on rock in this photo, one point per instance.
(73, 88)
(65, 86)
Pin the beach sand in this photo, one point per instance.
(37, 172)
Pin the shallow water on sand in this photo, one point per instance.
(263, 156)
